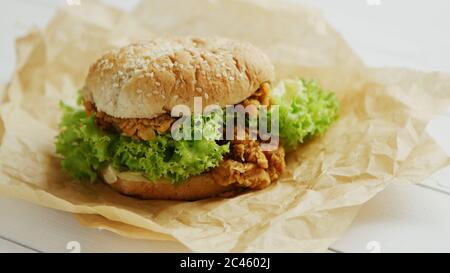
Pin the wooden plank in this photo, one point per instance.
(7, 246)
(19, 17)
(418, 40)
(403, 218)
(439, 181)
(48, 230)
(439, 129)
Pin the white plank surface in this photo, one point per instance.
(411, 218)
(49, 230)
(403, 218)
(8, 246)
(410, 33)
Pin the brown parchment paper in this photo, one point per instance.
(379, 139)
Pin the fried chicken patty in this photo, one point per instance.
(230, 178)
(140, 128)
(146, 128)
(258, 172)
(247, 165)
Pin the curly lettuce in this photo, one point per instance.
(304, 110)
(86, 150)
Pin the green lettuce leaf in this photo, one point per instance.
(304, 110)
(86, 150)
(84, 147)
(166, 157)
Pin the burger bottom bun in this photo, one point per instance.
(195, 188)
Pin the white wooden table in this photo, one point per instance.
(410, 218)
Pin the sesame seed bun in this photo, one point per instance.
(146, 79)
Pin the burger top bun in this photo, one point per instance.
(146, 79)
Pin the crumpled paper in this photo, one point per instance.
(379, 139)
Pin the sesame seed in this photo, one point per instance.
(231, 78)
(198, 89)
(139, 91)
(157, 83)
(206, 96)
